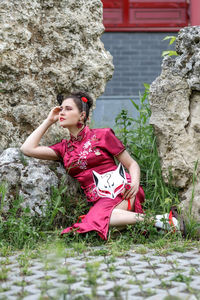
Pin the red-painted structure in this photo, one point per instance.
(145, 15)
(195, 12)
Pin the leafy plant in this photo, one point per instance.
(17, 226)
(23, 159)
(181, 278)
(124, 122)
(3, 191)
(92, 275)
(54, 206)
(192, 225)
(172, 39)
(194, 180)
(4, 273)
(141, 144)
(62, 209)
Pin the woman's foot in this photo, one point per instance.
(167, 222)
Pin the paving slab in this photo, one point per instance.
(134, 276)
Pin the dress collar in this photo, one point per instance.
(80, 135)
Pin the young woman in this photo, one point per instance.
(86, 151)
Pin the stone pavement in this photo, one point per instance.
(140, 273)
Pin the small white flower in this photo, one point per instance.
(87, 145)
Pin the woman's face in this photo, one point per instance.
(69, 114)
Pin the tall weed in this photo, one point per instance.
(138, 136)
(192, 225)
(3, 191)
(16, 226)
(62, 209)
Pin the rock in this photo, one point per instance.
(175, 105)
(32, 179)
(47, 47)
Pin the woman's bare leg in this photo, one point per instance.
(121, 217)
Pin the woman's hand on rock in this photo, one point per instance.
(54, 114)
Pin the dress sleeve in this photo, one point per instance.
(113, 144)
(60, 149)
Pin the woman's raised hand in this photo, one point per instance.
(54, 114)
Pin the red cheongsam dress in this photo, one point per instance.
(93, 149)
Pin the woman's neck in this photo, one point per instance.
(75, 131)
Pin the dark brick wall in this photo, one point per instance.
(137, 59)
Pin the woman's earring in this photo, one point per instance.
(79, 124)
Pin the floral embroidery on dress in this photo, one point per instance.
(87, 148)
(91, 193)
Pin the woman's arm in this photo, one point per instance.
(134, 171)
(31, 145)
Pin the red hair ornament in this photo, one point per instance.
(84, 99)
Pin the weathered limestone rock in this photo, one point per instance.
(32, 179)
(47, 47)
(175, 105)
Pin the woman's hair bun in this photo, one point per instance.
(60, 98)
(81, 94)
